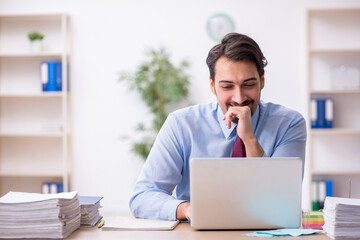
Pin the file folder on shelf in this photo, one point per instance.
(322, 112)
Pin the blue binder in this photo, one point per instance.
(51, 75)
(58, 76)
(329, 113)
(329, 188)
(322, 112)
(51, 84)
(313, 116)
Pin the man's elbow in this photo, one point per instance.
(133, 206)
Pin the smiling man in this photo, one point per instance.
(239, 124)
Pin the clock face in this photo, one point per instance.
(219, 25)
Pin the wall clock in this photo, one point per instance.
(218, 25)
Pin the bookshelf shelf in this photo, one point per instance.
(336, 172)
(335, 91)
(32, 134)
(30, 174)
(335, 131)
(32, 95)
(31, 55)
(34, 125)
(334, 51)
(22, 17)
(333, 42)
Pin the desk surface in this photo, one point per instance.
(181, 232)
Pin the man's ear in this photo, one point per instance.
(262, 81)
(212, 86)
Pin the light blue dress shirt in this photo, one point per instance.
(199, 131)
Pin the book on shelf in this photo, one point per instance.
(51, 76)
(322, 112)
(52, 187)
(35, 215)
(320, 190)
(89, 207)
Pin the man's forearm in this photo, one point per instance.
(253, 147)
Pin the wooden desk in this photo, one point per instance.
(182, 232)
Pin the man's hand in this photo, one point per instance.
(183, 211)
(244, 129)
(241, 115)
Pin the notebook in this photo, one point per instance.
(245, 193)
(89, 208)
(137, 224)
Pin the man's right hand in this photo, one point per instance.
(183, 211)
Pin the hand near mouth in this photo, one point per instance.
(242, 116)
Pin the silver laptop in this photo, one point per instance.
(245, 193)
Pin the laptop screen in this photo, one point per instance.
(245, 193)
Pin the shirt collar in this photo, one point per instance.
(227, 132)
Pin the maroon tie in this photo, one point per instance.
(239, 148)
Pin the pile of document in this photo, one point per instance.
(90, 214)
(35, 215)
(342, 218)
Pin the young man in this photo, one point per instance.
(210, 130)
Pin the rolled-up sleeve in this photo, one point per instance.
(162, 171)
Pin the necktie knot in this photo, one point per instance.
(239, 148)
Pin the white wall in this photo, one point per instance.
(109, 36)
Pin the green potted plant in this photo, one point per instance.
(160, 84)
(36, 38)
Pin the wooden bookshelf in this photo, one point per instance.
(333, 39)
(34, 125)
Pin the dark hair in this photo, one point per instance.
(236, 47)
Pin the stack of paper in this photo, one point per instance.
(90, 214)
(34, 215)
(342, 218)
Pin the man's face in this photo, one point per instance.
(236, 84)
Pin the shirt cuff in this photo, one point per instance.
(265, 155)
(168, 211)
